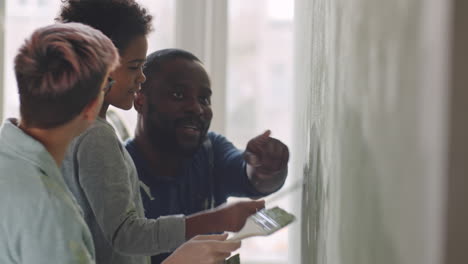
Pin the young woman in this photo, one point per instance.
(101, 174)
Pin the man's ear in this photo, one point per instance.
(139, 102)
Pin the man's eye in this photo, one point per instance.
(205, 100)
(177, 95)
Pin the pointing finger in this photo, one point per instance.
(262, 137)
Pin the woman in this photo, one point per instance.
(100, 172)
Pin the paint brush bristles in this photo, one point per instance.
(263, 223)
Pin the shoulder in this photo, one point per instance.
(217, 139)
(220, 143)
(99, 136)
(130, 145)
(12, 164)
(28, 191)
(19, 178)
(100, 129)
(132, 149)
(36, 209)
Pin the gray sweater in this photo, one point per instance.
(101, 175)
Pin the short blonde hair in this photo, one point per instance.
(59, 70)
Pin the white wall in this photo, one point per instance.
(372, 96)
(2, 34)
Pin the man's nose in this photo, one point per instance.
(193, 106)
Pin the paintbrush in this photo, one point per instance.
(263, 223)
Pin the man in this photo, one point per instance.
(183, 168)
(62, 75)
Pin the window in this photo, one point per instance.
(42, 3)
(22, 18)
(259, 94)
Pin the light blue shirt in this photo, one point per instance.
(40, 222)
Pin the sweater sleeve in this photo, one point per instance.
(230, 170)
(104, 176)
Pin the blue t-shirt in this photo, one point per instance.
(199, 185)
(215, 172)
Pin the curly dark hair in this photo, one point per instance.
(120, 20)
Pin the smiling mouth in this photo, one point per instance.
(190, 131)
(191, 127)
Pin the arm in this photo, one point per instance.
(267, 163)
(105, 178)
(239, 173)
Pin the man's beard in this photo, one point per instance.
(164, 138)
